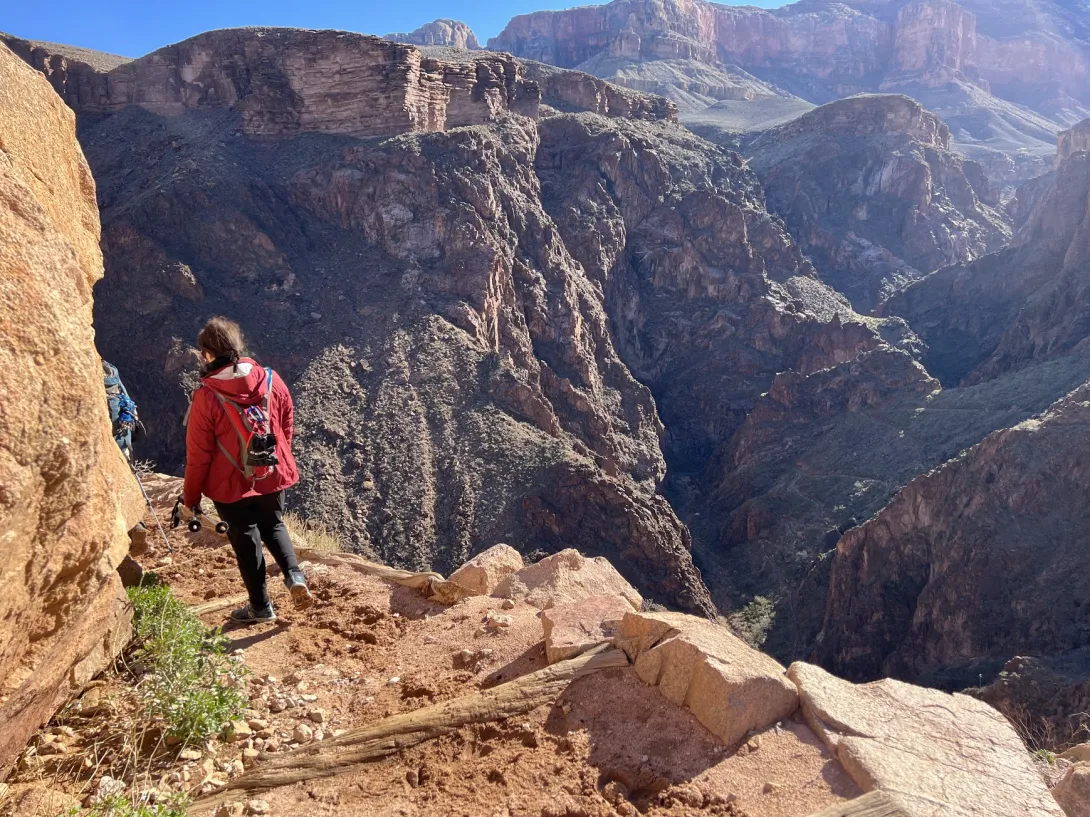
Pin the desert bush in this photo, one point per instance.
(753, 621)
(312, 535)
(119, 806)
(185, 679)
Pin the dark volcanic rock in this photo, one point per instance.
(983, 559)
(872, 193)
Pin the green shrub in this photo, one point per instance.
(119, 806)
(753, 621)
(187, 681)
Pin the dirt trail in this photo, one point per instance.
(370, 649)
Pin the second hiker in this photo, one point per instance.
(238, 454)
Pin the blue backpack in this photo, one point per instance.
(123, 416)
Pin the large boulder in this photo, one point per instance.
(67, 498)
(729, 687)
(572, 629)
(1072, 791)
(564, 578)
(932, 752)
(481, 574)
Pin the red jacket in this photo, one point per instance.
(207, 471)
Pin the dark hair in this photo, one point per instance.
(222, 338)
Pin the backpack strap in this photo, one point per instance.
(242, 427)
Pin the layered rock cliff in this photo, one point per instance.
(970, 565)
(871, 192)
(1025, 303)
(448, 33)
(1005, 90)
(68, 497)
(283, 81)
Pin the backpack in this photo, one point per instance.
(123, 416)
(257, 442)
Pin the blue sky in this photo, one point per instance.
(133, 28)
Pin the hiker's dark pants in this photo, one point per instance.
(252, 521)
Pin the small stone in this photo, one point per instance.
(485, 653)
(303, 734)
(237, 766)
(496, 622)
(189, 754)
(230, 810)
(317, 716)
(396, 679)
(771, 788)
(258, 724)
(108, 787)
(464, 658)
(249, 757)
(165, 561)
(308, 699)
(754, 743)
(238, 730)
(507, 604)
(257, 807)
(271, 680)
(319, 736)
(54, 748)
(272, 745)
(276, 706)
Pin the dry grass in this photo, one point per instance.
(312, 535)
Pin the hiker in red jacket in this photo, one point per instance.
(238, 454)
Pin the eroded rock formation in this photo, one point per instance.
(871, 192)
(449, 33)
(282, 81)
(982, 559)
(67, 498)
(1005, 89)
(1024, 303)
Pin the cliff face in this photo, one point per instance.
(282, 81)
(983, 559)
(448, 33)
(871, 192)
(1005, 90)
(1025, 303)
(68, 498)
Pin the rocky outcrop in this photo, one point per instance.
(447, 33)
(482, 574)
(979, 561)
(872, 193)
(1072, 792)
(572, 91)
(731, 688)
(930, 752)
(1072, 141)
(1024, 303)
(572, 629)
(68, 498)
(565, 578)
(282, 81)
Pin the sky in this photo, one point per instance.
(132, 28)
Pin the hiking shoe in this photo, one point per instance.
(300, 593)
(248, 615)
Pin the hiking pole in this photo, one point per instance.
(147, 499)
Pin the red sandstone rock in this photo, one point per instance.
(485, 571)
(68, 497)
(931, 752)
(572, 629)
(729, 687)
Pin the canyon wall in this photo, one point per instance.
(869, 188)
(984, 559)
(284, 81)
(68, 497)
(840, 47)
